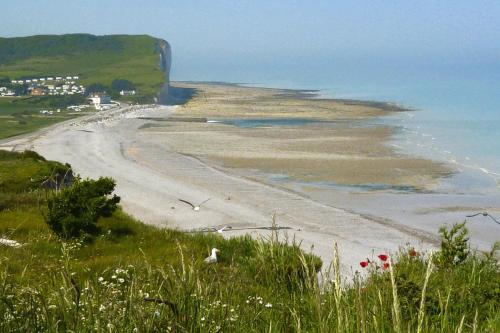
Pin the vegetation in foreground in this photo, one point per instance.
(130, 277)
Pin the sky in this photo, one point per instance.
(212, 38)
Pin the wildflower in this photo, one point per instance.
(113, 277)
(268, 305)
(100, 279)
(386, 265)
(202, 318)
(363, 264)
(157, 313)
(383, 257)
(412, 253)
(121, 280)
(102, 308)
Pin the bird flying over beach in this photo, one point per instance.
(195, 208)
(485, 214)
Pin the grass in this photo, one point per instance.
(21, 115)
(138, 278)
(96, 59)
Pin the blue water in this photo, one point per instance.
(456, 115)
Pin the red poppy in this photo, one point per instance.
(386, 265)
(412, 253)
(363, 264)
(383, 257)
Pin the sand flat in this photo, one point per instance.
(341, 150)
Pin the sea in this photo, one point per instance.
(453, 117)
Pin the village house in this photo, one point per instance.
(98, 99)
(37, 91)
(127, 92)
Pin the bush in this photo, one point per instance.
(454, 245)
(121, 84)
(74, 211)
(95, 88)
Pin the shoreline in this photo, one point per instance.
(152, 174)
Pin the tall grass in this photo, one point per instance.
(137, 278)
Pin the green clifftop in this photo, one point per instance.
(140, 59)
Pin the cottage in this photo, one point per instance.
(127, 92)
(37, 92)
(98, 99)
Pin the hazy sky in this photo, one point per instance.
(208, 37)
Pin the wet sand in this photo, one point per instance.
(341, 146)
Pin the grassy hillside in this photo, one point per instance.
(96, 59)
(138, 278)
(21, 115)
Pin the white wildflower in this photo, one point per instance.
(268, 305)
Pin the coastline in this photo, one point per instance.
(153, 171)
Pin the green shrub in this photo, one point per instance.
(454, 245)
(74, 211)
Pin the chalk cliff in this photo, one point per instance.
(165, 52)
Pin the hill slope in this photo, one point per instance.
(142, 59)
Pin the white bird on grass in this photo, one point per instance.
(10, 242)
(195, 208)
(212, 259)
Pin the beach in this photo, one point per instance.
(210, 147)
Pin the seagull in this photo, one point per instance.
(224, 228)
(195, 208)
(10, 242)
(484, 214)
(212, 259)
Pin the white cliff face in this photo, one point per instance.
(165, 61)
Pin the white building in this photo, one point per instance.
(98, 99)
(127, 92)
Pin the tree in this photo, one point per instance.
(95, 88)
(121, 84)
(74, 211)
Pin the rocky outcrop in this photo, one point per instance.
(165, 52)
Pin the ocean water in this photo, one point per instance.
(455, 115)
